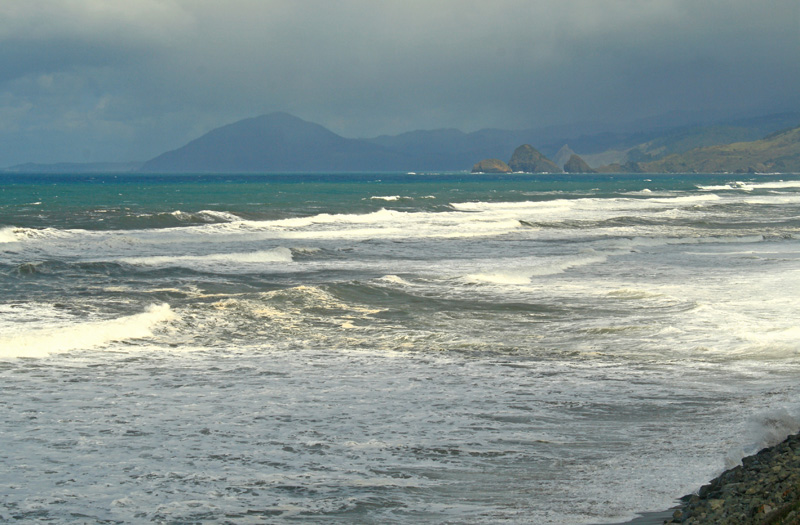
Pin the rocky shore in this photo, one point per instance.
(764, 489)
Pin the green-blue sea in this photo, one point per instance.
(389, 347)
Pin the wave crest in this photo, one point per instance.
(84, 336)
(277, 255)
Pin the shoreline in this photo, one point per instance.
(763, 489)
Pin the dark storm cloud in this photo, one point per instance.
(131, 79)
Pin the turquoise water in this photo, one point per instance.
(389, 348)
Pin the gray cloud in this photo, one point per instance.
(128, 80)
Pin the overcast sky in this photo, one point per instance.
(113, 80)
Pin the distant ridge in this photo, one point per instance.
(777, 152)
(277, 142)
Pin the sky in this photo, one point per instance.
(111, 80)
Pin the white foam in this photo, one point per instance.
(763, 430)
(687, 199)
(735, 185)
(25, 234)
(475, 206)
(219, 215)
(180, 215)
(305, 250)
(384, 224)
(83, 336)
(518, 277)
(206, 215)
(786, 336)
(779, 184)
(750, 186)
(522, 275)
(7, 235)
(387, 198)
(395, 279)
(586, 209)
(277, 255)
(380, 216)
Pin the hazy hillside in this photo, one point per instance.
(685, 138)
(778, 152)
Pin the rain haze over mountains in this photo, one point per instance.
(94, 81)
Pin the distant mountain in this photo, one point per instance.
(277, 142)
(777, 152)
(281, 142)
(74, 167)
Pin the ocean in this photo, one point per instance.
(389, 347)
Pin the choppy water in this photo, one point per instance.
(386, 348)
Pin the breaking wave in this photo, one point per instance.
(7, 235)
(84, 336)
(217, 260)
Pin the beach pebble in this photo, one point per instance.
(764, 489)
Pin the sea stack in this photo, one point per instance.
(575, 164)
(528, 160)
(563, 155)
(491, 166)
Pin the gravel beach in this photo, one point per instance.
(764, 489)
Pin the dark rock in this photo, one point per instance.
(528, 160)
(491, 166)
(575, 164)
(764, 489)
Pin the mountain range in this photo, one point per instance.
(279, 142)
